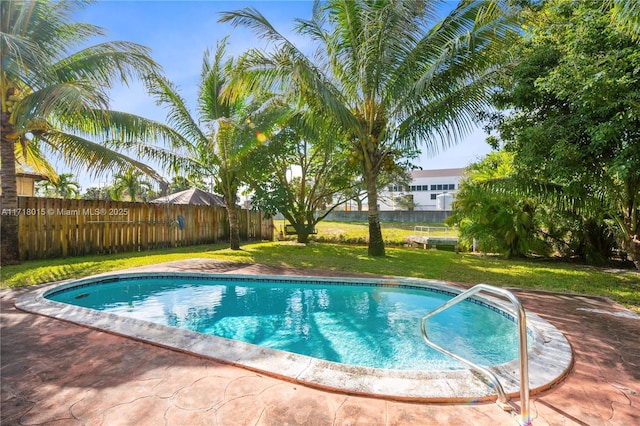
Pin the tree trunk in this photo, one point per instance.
(9, 243)
(631, 244)
(633, 250)
(304, 229)
(376, 243)
(630, 224)
(303, 237)
(234, 230)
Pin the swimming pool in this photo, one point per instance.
(267, 339)
(363, 325)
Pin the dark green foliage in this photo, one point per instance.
(573, 122)
(500, 221)
(301, 172)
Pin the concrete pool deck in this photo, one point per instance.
(55, 372)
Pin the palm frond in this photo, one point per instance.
(288, 69)
(348, 43)
(452, 71)
(67, 99)
(86, 155)
(552, 193)
(445, 114)
(105, 63)
(214, 76)
(472, 37)
(122, 127)
(131, 134)
(19, 53)
(251, 18)
(35, 33)
(172, 161)
(29, 157)
(178, 117)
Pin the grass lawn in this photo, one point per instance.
(621, 286)
(393, 233)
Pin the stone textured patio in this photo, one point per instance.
(57, 373)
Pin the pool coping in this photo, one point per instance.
(550, 356)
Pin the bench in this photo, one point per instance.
(291, 230)
(450, 243)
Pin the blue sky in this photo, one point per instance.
(178, 33)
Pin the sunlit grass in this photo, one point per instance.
(41, 271)
(394, 233)
(623, 287)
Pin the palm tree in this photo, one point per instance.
(131, 183)
(63, 186)
(213, 144)
(488, 209)
(386, 73)
(55, 99)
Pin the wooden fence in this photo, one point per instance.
(51, 227)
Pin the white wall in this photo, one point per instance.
(425, 187)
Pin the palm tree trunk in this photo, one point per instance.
(376, 243)
(631, 243)
(9, 243)
(234, 229)
(632, 247)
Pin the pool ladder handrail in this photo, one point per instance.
(521, 323)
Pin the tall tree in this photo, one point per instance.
(387, 73)
(64, 186)
(57, 96)
(212, 143)
(301, 173)
(573, 121)
(132, 183)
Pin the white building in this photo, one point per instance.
(429, 190)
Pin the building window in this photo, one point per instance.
(433, 187)
(433, 196)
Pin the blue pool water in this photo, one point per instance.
(365, 325)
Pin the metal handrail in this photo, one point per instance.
(521, 322)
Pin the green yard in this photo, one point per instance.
(394, 233)
(622, 286)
